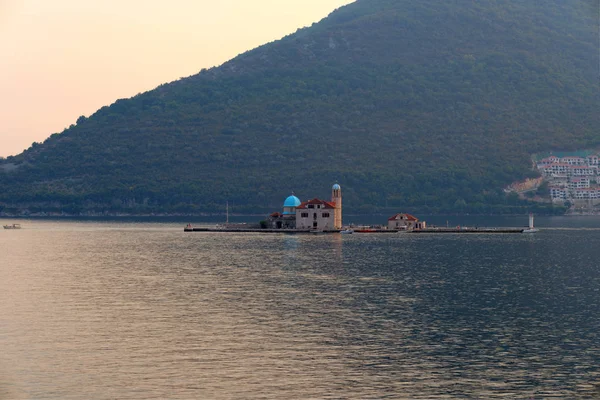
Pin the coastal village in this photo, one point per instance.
(573, 180)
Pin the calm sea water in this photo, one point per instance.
(142, 310)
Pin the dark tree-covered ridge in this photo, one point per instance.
(428, 105)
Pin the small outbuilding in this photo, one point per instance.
(402, 221)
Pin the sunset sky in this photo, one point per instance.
(64, 58)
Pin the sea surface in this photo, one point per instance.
(138, 309)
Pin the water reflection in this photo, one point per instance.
(99, 311)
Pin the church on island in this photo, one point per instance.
(315, 214)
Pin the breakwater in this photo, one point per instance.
(359, 231)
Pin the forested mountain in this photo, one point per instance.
(428, 105)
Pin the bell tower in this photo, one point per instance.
(336, 197)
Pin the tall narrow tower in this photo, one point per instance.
(336, 197)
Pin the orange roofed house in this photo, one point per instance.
(407, 222)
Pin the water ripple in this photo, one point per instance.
(144, 311)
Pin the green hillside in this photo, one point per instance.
(428, 105)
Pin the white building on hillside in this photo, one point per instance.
(581, 170)
(558, 193)
(579, 183)
(586, 194)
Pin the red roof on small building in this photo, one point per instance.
(325, 204)
(408, 217)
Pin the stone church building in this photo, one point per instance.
(314, 214)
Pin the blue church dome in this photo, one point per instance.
(336, 187)
(292, 201)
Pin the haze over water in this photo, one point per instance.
(103, 310)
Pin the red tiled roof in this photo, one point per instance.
(408, 217)
(276, 215)
(325, 204)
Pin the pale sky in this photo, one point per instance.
(60, 59)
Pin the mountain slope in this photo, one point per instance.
(430, 104)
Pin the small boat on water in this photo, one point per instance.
(13, 226)
(347, 232)
(531, 228)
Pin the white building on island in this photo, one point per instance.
(314, 214)
(403, 221)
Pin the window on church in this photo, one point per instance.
(325, 215)
(311, 206)
(304, 215)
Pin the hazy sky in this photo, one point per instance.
(60, 59)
